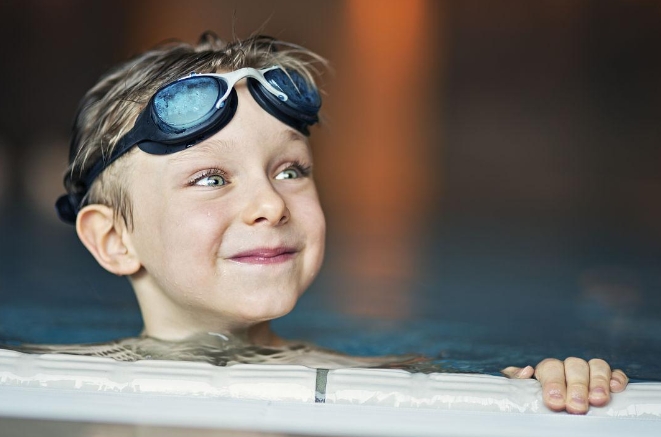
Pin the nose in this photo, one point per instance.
(265, 205)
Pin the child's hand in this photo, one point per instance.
(565, 385)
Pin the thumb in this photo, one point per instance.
(518, 372)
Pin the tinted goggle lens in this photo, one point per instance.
(299, 92)
(188, 102)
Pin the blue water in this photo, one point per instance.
(481, 298)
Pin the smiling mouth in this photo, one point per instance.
(265, 256)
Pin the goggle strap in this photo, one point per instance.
(125, 143)
(67, 207)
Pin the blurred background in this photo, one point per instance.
(491, 172)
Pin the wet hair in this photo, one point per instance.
(109, 110)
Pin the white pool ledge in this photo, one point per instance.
(282, 398)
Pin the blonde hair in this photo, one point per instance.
(108, 110)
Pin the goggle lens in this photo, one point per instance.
(188, 102)
(298, 91)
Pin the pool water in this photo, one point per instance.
(481, 299)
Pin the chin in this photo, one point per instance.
(266, 309)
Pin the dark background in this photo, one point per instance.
(491, 171)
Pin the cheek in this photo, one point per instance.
(313, 223)
(305, 207)
(316, 225)
(194, 236)
(177, 241)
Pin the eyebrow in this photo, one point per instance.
(210, 145)
(293, 135)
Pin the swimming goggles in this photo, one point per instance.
(184, 112)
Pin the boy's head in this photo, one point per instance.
(214, 215)
(109, 110)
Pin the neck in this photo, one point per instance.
(262, 335)
(259, 334)
(165, 320)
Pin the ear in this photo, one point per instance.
(107, 239)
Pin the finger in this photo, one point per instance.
(551, 374)
(618, 381)
(577, 374)
(518, 372)
(600, 377)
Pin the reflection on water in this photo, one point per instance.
(223, 350)
(616, 290)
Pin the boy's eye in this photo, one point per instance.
(211, 180)
(290, 173)
(294, 171)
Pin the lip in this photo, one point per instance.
(265, 255)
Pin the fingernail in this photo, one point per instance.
(615, 383)
(598, 391)
(555, 394)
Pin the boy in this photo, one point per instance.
(198, 187)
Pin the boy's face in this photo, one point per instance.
(229, 232)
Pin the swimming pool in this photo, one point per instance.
(479, 301)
